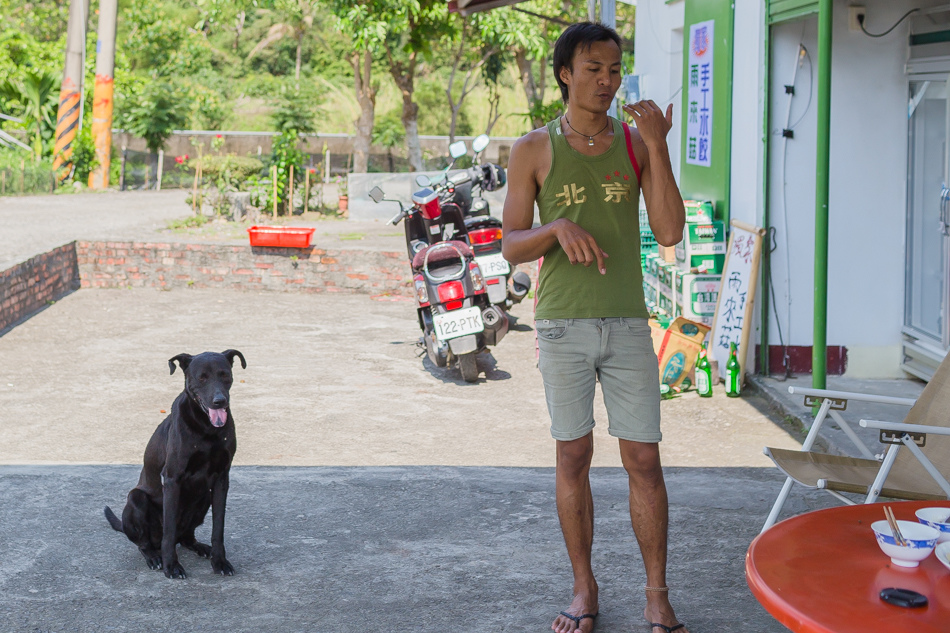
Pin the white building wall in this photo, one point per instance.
(748, 108)
(659, 62)
(867, 202)
(867, 195)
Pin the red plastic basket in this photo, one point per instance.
(281, 236)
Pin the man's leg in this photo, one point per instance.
(575, 509)
(649, 514)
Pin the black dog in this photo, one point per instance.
(187, 462)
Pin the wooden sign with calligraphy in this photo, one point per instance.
(733, 320)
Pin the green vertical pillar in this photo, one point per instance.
(820, 343)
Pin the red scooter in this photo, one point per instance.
(455, 314)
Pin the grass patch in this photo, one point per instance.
(191, 222)
(352, 236)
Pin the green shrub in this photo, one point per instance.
(84, 155)
(227, 172)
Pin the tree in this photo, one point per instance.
(155, 113)
(293, 111)
(413, 26)
(528, 40)
(367, 32)
(228, 14)
(295, 20)
(477, 41)
(34, 100)
(389, 133)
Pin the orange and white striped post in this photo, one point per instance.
(68, 117)
(102, 100)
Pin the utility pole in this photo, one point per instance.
(68, 117)
(102, 100)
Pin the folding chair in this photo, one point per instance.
(909, 474)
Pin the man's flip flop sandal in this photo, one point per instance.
(668, 629)
(577, 618)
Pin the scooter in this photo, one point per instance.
(455, 315)
(506, 286)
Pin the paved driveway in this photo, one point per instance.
(371, 492)
(331, 380)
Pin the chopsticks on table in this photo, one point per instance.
(889, 515)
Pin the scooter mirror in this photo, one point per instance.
(460, 177)
(480, 143)
(458, 149)
(376, 194)
(423, 181)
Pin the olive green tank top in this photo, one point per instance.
(601, 194)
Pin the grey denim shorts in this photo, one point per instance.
(618, 351)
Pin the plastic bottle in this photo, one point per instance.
(704, 374)
(732, 373)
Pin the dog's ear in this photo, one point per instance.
(231, 353)
(183, 359)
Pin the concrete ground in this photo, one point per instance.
(371, 491)
(374, 549)
(331, 380)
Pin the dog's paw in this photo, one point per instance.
(202, 550)
(222, 567)
(154, 562)
(175, 570)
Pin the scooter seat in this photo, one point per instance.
(441, 254)
(485, 221)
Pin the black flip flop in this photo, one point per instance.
(577, 618)
(668, 629)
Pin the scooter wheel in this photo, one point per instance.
(469, 367)
(433, 352)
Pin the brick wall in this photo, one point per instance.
(171, 265)
(29, 287)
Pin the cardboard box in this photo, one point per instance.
(665, 303)
(650, 264)
(699, 211)
(664, 274)
(703, 247)
(649, 295)
(667, 253)
(677, 348)
(695, 296)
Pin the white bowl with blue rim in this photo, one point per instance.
(938, 518)
(942, 552)
(920, 541)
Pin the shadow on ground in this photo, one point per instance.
(374, 549)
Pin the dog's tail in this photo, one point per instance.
(113, 520)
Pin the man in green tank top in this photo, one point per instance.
(586, 177)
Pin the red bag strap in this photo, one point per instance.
(633, 158)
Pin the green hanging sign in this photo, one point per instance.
(707, 103)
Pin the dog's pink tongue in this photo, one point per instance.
(218, 416)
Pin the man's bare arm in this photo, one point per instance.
(662, 197)
(522, 243)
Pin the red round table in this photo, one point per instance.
(821, 572)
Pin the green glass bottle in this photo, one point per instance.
(704, 374)
(732, 373)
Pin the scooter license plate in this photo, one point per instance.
(458, 323)
(493, 265)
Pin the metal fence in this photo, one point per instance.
(140, 169)
(26, 179)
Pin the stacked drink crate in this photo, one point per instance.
(648, 260)
(690, 286)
